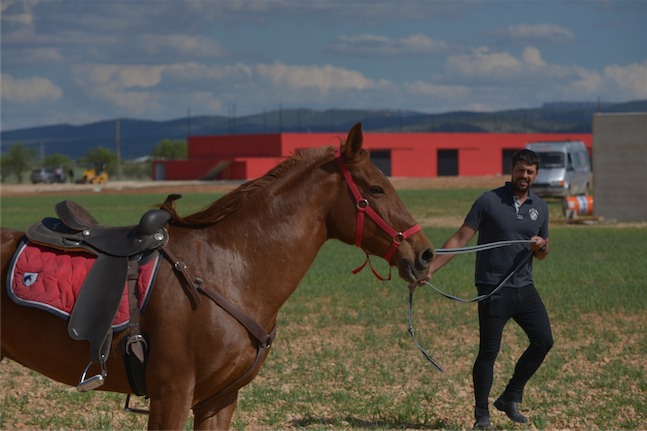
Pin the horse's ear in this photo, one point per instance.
(353, 143)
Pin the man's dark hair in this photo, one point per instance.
(527, 156)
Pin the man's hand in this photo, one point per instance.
(540, 246)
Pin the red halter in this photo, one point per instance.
(363, 207)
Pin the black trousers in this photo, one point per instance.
(527, 309)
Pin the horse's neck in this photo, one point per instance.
(263, 250)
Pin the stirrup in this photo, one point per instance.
(89, 384)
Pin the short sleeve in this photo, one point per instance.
(476, 215)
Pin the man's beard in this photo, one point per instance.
(521, 188)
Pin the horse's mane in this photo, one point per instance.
(232, 201)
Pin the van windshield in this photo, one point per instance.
(551, 160)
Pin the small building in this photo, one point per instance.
(619, 160)
(243, 157)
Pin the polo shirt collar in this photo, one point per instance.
(510, 192)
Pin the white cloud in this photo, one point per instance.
(18, 12)
(32, 56)
(153, 90)
(535, 34)
(323, 78)
(631, 80)
(376, 45)
(529, 69)
(29, 90)
(420, 88)
(118, 77)
(532, 57)
(585, 83)
(483, 63)
(190, 46)
(193, 72)
(528, 80)
(126, 87)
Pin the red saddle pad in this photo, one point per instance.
(50, 279)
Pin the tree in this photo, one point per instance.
(17, 160)
(171, 150)
(99, 158)
(5, 168)
(54, 161)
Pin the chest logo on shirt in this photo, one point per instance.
(533, 214)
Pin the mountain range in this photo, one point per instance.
(137, 138)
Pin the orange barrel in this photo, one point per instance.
(578, 205)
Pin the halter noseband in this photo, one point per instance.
(363, 208)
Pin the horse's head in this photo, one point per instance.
(369, 213)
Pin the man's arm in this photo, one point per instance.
(461, 237)
(540, 247)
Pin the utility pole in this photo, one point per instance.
(188, 122)
(118, 147)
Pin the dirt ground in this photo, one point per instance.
(144, 187)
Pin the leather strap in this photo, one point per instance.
(187, 280)
(261, 353)
(133, 306)
(194, 286)
(363, 208)
(264, 339)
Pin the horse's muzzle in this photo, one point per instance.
(425, 258)
(416, 270)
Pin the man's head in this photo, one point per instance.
(525, 165)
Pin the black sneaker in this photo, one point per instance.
(511, 409)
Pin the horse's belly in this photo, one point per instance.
(40, 341)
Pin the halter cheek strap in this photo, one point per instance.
(363, 208)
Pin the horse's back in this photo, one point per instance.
(8, 243)
(9, 239)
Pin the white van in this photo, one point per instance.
(564, 168)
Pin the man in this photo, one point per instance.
(511, 212)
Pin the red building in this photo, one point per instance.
(241, 157)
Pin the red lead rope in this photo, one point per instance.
(363, 208)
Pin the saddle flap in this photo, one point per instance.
(98, 302)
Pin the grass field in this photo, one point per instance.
(343, 358)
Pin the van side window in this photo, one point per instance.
(569, 164)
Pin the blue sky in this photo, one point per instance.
(81, 61)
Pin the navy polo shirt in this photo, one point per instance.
(496, 218)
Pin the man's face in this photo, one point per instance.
(523, 176)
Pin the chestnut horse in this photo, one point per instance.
(252, 246)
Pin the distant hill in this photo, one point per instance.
(139, 137)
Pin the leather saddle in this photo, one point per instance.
(119, 250)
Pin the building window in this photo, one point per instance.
(447, 163)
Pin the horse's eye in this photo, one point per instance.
(376, 190)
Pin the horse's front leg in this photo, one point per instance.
(169, 408)
(205, 420)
